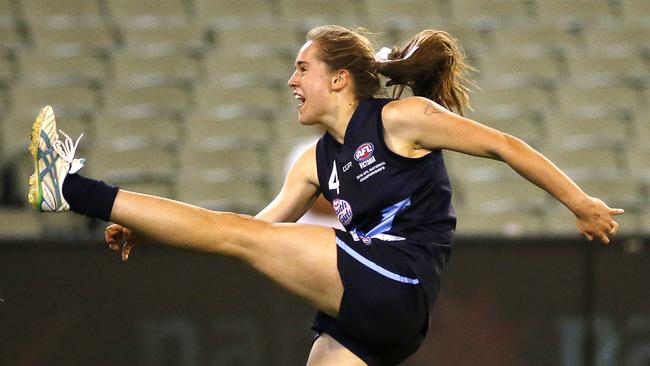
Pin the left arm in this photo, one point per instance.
(423, 124)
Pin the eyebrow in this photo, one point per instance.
(301, 63)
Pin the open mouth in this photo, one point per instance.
(299, 98)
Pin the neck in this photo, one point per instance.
(340, 120)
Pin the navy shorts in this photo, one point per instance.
(383, 317)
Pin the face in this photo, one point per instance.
(310, 83)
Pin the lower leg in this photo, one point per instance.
(166, 221)
(182, 225)
(301, 258)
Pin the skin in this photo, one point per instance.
(302, 258)
(417, 125)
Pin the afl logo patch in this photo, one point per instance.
(364, 152)
(343, 211)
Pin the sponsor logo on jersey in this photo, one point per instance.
(356, 237)
(347, 166)
(364, 152)
(343, 211)
(367, 162)
(365, 155)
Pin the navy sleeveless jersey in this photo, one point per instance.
(378, 193)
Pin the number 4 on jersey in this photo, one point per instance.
(334, 179)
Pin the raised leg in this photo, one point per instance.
(301, 258)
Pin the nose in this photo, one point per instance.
(293, 80)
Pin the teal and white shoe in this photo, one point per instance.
(53, 161)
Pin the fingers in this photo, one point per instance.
(126, 250)
(604, 235)
(613, 229)
(113, 238)
(604, 238)
(113, 234)
(609, 232)
(598, 223)
(118, 239)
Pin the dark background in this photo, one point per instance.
(503, 302)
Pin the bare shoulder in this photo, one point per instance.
(410, 110)
(405, 118)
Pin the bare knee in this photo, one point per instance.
(241, 235)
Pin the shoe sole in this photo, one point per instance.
(35, 196)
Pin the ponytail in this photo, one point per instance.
(433, 65)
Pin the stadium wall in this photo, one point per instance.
(504, 302)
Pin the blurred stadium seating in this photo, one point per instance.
(188, 98)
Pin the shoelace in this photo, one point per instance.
(67, 149)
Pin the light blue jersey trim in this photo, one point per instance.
(382, 271)
(387, 217)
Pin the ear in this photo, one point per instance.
(340, 79)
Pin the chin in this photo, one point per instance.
(304, 121)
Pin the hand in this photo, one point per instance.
(119, 238)
(595, 220)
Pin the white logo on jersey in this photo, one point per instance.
(343, 210)
(366, 240)
(364, 152)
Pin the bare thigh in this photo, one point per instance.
(302, 258)
(299, 257)
(326, 351)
